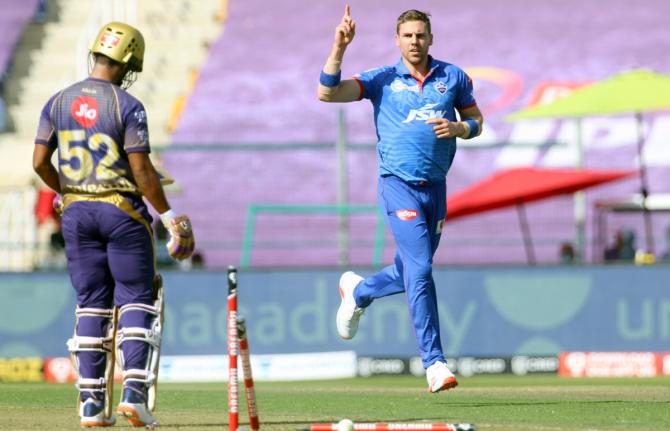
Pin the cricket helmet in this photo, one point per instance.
(120, 42)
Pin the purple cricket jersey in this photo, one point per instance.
(93, 125)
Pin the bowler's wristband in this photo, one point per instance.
(328, 80)
(474, 128)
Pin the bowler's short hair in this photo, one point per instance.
(413, 15)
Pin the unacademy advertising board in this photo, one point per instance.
(489, 311)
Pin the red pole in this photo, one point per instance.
(233, 414)
(249, 391)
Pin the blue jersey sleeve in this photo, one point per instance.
(371, 82)
(464, 98)
(46, 132)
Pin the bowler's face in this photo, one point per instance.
(413, 39)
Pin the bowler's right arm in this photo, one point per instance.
(331, 88)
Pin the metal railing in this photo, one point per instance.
(18, 237)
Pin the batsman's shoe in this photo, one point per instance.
(133, 406)
(440, 378)
(348, 314)
(92, 414)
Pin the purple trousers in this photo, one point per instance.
(110, 257)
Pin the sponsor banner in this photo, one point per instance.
(374, 366)
(518, 365)
(61, 370)
(666, 364)
(613, 364)
(196, 368)
(468, 366)
(300, 366)
(214, 368)
(21, 370)
(304, 366)
(464, 366)
(506, 311)
(522, 365)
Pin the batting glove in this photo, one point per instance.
(181, 244)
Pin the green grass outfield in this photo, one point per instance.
(492, 403)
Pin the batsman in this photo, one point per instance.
(100, 134)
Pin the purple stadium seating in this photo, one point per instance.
(259, 83)
(14, 15)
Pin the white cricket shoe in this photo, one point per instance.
(92, 414)
(133, 406)
(440, 378)
(348, 314)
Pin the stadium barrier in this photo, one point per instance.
(484, 311)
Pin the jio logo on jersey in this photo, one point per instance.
(84, 109)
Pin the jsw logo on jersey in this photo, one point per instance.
(84, 109)
(424, 113)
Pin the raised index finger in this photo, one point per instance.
(346, 10)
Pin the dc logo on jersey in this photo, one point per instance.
(84, 110)
(424, 113)
(406, 215)
(441, 87)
